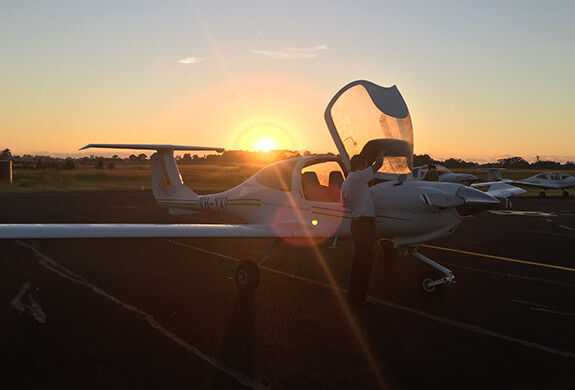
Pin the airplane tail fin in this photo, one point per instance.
(166, 179)
(167, 183)
(494, 174)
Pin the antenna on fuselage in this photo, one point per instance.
(245, 177)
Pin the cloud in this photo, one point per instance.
(292, 52)
(191, 60)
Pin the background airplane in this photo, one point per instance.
(497, 186)
(550, 181)
(444, 174)
(298, 200)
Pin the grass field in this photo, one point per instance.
(126, 176)
(202, 178)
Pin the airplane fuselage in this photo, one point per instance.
(402, 213)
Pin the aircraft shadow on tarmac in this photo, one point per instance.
(239, 345)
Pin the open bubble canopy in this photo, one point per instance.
(364, 118)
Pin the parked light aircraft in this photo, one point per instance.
(550, 180)
(444, 175)
(299, 199)
(497, 186)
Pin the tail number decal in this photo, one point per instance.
(217, 203)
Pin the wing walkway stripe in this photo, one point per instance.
(54, 266)
(442, 320)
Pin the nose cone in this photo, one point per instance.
(475, 201)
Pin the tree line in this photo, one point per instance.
(240, 156)
(507, 163)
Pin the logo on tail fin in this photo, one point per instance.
(164, 182)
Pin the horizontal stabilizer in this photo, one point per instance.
(158, 147)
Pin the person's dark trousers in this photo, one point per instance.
(363, 233)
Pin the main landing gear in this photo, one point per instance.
(247, 274)
(564, 194)
(430, 283)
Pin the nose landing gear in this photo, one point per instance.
(432, 283)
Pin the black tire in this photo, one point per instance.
(247, 276)
(565, 194)
(542, 194)
(424, 279)
(384, 252)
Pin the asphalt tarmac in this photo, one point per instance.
(165, 314)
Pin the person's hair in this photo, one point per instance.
(357, 161)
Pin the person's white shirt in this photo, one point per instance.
(356, 194)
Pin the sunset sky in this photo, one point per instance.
(483, 80)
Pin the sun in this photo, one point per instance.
(264, 136)
(265, 144)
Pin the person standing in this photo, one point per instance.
(357, 196)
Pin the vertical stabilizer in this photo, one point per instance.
(166, 179)
(494, 174)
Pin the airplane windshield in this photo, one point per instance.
(365, 118)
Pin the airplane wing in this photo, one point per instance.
(490, 183)
(547, 185)
(504, 190)
(70, 230)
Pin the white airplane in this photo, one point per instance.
(444, 174)
(497, 186)
(550, 180)
(299, 199)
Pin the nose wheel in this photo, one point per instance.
(431, 284)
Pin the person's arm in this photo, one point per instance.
(378, 161)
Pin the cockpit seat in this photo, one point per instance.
(312, 189)
(334, 188)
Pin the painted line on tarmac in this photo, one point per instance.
(54, 266)
(289, 275)
(500, 258)
(570, 235)
(442, 320)
(34, 308)
(477, 329)
(542, 308)
(80, 217)
(506, 274)
(521, 213)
